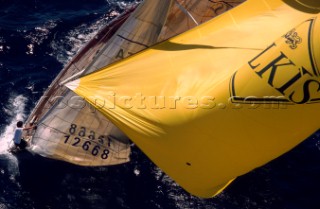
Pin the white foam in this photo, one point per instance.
(16, 109)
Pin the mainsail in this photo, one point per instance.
(67, 127)
(221, 99)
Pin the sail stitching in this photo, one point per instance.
(132, 41)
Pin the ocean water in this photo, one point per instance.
(37, 38)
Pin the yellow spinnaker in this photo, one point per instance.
(221, 99)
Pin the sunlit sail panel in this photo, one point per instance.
(67, 128)
(44, 139)
(221, 99)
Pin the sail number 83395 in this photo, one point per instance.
(78, 137)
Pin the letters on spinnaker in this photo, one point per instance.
(200, 104)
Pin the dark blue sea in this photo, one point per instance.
(37, 38)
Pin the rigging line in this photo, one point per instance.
(186, 12)
(132, 41)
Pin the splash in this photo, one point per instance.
(16, 109)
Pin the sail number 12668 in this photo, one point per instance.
(88, 143)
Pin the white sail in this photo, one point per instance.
(67, 128)
(70, 130)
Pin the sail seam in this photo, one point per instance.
(135, 42)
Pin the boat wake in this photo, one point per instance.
(16, 109)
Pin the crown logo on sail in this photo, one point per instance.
(292, 39)
(288, 74)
